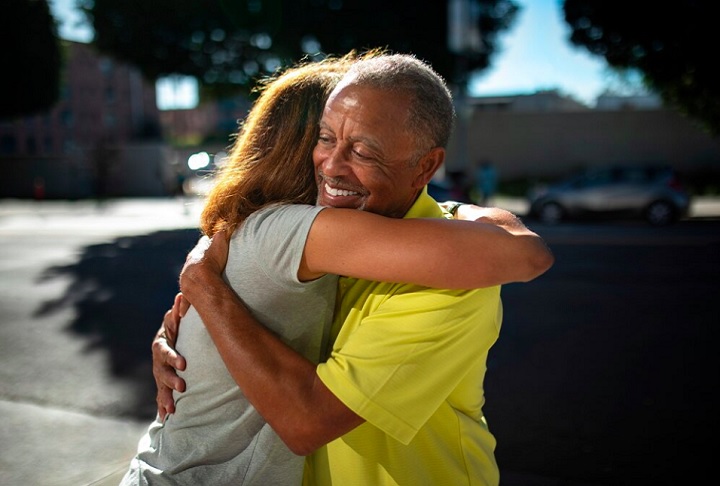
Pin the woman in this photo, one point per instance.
(264, 198)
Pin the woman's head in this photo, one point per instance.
(271, 159)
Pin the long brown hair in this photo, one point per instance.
(271, 159)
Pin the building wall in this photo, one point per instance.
(134, 169)
(549, 144)
(190, 124)
(105, 107)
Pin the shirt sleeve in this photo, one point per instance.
(408, 355)
(278, 234)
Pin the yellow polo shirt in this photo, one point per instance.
(411, 361)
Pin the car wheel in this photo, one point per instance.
(551, 212)
(660, 213)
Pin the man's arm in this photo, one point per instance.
(280, 383)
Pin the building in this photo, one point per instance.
(107, 138)
(102, 138)
(545, 135)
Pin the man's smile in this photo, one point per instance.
(339, 192)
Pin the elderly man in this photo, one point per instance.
(399, 399)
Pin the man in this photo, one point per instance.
(399, 400)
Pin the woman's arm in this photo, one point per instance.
(491, 247)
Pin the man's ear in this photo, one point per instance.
(428, 165)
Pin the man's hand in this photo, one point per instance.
(166, 360)
(209, 255)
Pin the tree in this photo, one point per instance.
(31, 80)
(404, 26)
(228, 44)
(671, 46)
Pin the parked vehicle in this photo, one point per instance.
(650, 192)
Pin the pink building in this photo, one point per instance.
(105, 107)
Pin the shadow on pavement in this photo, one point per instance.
(120, 291)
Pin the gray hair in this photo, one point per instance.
(432, 114)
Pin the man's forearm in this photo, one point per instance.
(279, 382)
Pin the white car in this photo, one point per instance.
(650, 192)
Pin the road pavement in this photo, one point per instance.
(603, 375)
(79, 291)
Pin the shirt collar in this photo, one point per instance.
(424, 207)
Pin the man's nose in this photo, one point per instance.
(335, 162)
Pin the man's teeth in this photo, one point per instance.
(339, 192)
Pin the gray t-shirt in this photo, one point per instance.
(215, 437)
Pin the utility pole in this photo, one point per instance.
(464, 41)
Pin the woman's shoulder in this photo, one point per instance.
(279, 210)
(278, 219)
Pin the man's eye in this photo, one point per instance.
(361, 155)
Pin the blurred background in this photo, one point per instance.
(127, 99)
(597, 122)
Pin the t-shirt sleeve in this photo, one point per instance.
(408, 355)
(278, 235)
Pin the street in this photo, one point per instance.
(604, 372)
(606, 366)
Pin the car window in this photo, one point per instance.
(636, 175)
(596, 178)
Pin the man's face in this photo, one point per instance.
(364, 155)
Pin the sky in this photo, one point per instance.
(534, 55)
(537, 55)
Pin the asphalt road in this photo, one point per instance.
(606, 368)
(605, 371)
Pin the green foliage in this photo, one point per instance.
(31, 80)
(228, 44)
(673, 46)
